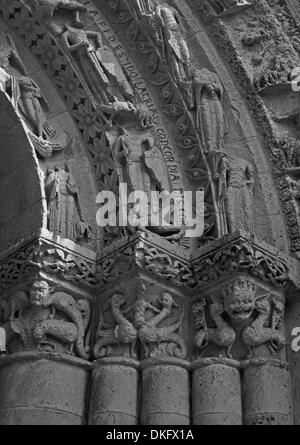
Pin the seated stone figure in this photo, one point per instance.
(39, 320)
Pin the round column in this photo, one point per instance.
(43, 389)
(165, 392)
(114, 392)
(267, 393)
(216, 392)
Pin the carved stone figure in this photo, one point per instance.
(126, 115)
(44, 321)
(144, 328)
(201, 339)
(176, 51)
(239, 197)
(32, 104)
(210, 119)
(144, 169)
(240, 313)
(258, 333)
(33, 107)
(140, 162)
(97, 65)
(156, 165)
(28, 100)
(145, 10)
(65, 214)
(45, 10)
(223, 335)
(142, 165)
(239, 299)
(125, 333)
(83, 47)
(150, 332)
(139, 155)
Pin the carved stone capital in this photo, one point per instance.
(240, 318)
(143, 321)
(44, 254)
(39, 318)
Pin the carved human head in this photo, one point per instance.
(39, 292)
(167, 301)
(239, 299)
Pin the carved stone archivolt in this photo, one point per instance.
(153, 109)
(172, 71)
(248, 41)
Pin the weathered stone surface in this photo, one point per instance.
(43, 389)
(165, 393)
(216, 392)
(266, 390)
(163, 96)
(114, 392)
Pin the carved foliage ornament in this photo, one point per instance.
(239, 256)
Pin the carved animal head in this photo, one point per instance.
(239, 299)
(39, 293)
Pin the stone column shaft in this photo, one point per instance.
(216, 392)
(114, 392)
(165, 392)
(43, 389)
(267, 393)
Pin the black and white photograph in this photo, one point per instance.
(149, 215)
